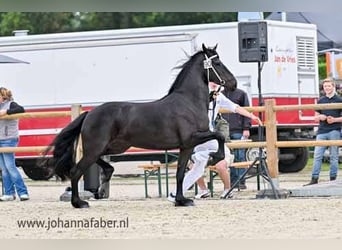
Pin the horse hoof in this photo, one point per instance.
(86, 205)
(184, 203)
(100, 194)
(81, 204)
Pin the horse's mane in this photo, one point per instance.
(184, 71)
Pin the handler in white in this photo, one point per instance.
(201, 153)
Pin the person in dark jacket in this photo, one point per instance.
(239, 127)
(9, 136)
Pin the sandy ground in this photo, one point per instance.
(243, 217)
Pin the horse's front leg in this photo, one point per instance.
(201, 137)
(220, 154)
(184, 156)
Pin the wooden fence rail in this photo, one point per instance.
(38, 115)
(271, 142)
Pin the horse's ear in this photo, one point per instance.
(215, 47)
(204, 48)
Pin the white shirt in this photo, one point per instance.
(221, 102)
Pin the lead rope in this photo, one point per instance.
(213, 114)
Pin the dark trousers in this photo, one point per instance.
(239, 156)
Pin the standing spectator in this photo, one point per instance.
(9, 136)
(329, 129)
(238, 130)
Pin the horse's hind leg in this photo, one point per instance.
(76, 173)
(106, 174)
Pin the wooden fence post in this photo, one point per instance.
(76, 110)
(271, 138)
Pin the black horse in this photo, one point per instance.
(178, 120)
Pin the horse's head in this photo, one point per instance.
(216, 71)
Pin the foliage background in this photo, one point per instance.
(56, 22)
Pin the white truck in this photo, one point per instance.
(90, 68)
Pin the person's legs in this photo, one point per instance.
(200, 162)
(224, 173)
(8, 161)
(239, 156)
(200, 159)
(334, 135)
(201, 183)
(234, 172)
(8, 186)
(203, 191)
(318, 156)
(221, 168)
(14, 174)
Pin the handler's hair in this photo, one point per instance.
(6, 94)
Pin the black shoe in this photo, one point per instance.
(332, 178)
(312, 182)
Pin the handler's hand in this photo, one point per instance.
(3, 112)
(330, 119)
(253, 117)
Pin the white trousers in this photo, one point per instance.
(200, 158)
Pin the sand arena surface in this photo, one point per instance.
(243, 217)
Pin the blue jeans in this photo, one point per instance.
(11, 179)
(319, 152)
(239, 156)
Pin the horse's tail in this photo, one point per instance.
(63, 147)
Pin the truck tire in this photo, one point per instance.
(32, 170)
(296, 163)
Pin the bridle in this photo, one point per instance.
(207, 64)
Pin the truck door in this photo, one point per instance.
(307, 90)
(307, 74)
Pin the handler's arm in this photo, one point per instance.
(246, 113)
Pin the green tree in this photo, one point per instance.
(120, 20)
(55, 22)
(322, 67)
(13, 21)
(36, 22)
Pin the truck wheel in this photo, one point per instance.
(32, 170)
(295, 163)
